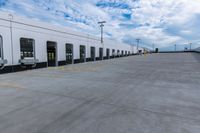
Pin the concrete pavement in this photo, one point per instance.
(158, 93)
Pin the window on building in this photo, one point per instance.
(1, 47)
(27, 48)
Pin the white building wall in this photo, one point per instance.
(198, 49)
(42, 32)
(6, 36)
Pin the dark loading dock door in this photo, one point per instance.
(118, 53)
(51, 54)
(107, 53)
(125, 53)
(100, 53)
(69, 53)
(82, 53)
(92, 53)
(113, 53)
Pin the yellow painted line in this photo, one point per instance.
(80, 68)
(44, 75)
(65, 69)
(11, 85)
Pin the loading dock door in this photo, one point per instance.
(69, 53)
(92, 53)
(118, 53)
(113, 53)
(82, 53)
(107, 53)
(101, 53)
(51, 54)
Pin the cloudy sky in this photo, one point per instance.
(160, 22)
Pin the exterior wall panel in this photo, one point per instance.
(7, 49)
(43, 32)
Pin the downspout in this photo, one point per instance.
(87, 48)
(3, 65)
(11, 37)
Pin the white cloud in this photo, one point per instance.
(162, 21)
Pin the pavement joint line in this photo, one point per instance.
(19, 109)
(56, 94)
(128, 109)
(83, 104)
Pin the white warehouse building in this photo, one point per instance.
(27, 44)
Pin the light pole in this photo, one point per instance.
(190, 46)
(175, 47)
(138, 42)
(153, 46)
(102, 25)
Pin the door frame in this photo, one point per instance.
(100, 53)
(72, 51)
(56, 52)
(108, 53)
(93, 58)
(85, 56)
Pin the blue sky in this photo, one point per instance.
(160, 22)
